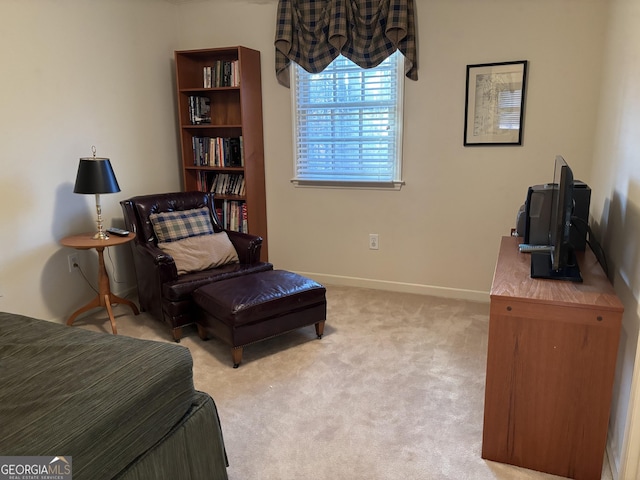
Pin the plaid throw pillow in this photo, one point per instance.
(173, 226)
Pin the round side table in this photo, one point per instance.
(105, 298)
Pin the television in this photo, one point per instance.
(560, 263)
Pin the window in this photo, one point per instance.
(348, 124)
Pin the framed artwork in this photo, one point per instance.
(494, 107)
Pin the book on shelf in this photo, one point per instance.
(206, 75)
(202, 152)
(235, 153)
(223, 151)
(218, 151)
(236, 74)
(228, 184)
(223, 73)
(233, 215)
(220, 215)
(199, 109)
(217, 75)
(245, 219)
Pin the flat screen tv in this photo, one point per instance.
(560, 263)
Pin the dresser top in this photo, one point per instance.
(512, 279)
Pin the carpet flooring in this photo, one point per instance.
(394, 390)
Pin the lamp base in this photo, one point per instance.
(101, 235)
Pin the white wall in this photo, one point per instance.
(616, 216)
(77, 74)
(440, 233)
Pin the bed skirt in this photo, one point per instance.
(193, 450)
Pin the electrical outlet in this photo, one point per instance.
(373, 241)
(73, 262)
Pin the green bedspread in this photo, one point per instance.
(102, 399)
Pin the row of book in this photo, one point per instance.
(221, 183)
(218, 151)
(199, 109)
(233, 215)
(223, 73)
(228, 184)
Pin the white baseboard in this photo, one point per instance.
(459, 293)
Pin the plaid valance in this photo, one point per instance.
(312, 33)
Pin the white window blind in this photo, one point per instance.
(509, 103)
(348, 123)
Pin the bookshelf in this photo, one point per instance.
(219, 95)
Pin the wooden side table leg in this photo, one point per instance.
(92, 304)
(112, 319)
(116, 299)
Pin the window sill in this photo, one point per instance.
(395, 185)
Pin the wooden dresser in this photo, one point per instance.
(550, 367)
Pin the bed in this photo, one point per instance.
(120, 407)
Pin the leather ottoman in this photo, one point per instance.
(250, 308)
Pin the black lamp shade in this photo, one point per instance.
(95, 175)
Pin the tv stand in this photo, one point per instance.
(541, 267)
(551, 362)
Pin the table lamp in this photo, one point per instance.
(95, 176)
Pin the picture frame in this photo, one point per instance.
(494, 103)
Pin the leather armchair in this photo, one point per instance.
(161, 291)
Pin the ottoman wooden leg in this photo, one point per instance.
(320, 329)
(177, 334)
(236, 353)
(202, 333)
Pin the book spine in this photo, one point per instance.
(236, 73)
(220, 215)
(241, 152)
(245, 217)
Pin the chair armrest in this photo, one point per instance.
(153, 262)
(247, 246)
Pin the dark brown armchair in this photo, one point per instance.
(161, 291)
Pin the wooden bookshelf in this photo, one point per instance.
(235, 110)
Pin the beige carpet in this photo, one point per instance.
(394, 390)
